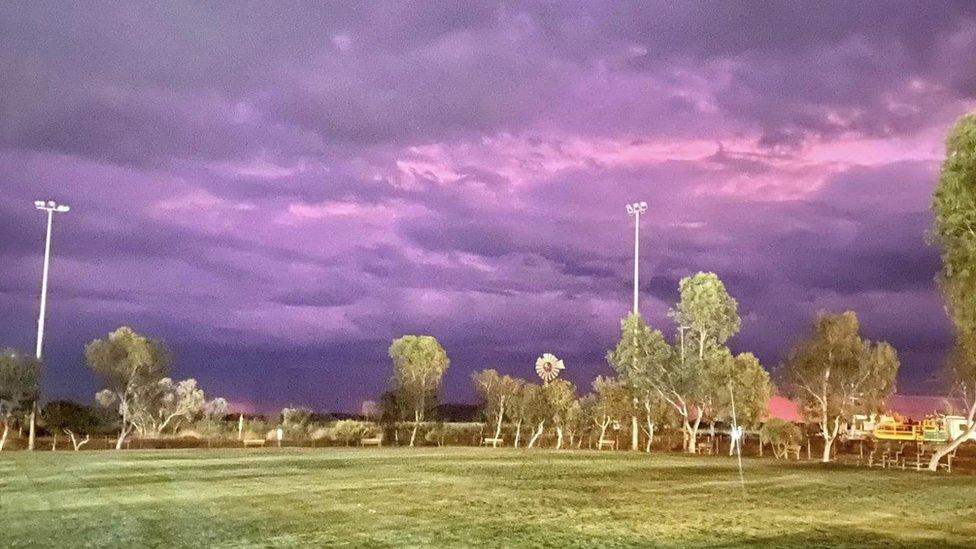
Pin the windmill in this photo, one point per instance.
(548, 367)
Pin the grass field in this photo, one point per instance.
(468, 497)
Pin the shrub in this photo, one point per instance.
(350, 431)
(780, 434)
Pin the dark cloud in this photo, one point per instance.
(279, 189)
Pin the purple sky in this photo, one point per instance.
(278, 191)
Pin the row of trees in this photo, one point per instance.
(690, 381)
(134, 372)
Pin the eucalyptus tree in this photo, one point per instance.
(72, 419)
(750, 388)
(835, 373)
(131, 367)
(497, 392)
(419, 363)
(954, 232)
(520, 406)
(614, 403)
(537, 411)
(706, 317)
(20, 386)
(563, 405)
(707, 311)
(642, 360)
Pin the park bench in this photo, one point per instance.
(494, 442)
(705, 448)
(253, 442)
(611, 443)
(371, 441)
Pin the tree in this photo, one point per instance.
(537, 410)
(72, 419)
(954, 232)
(419, 363)
(563, 406)
(371, 410)
(749, 390)
(520, 407)
(640, 359)
(780, 434)
(295, 421)
(710, 317)
(614, 403)
(20, 387)
(496, 392)
(706, 310)
(130, 367)
(836, 374)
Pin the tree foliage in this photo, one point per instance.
(130, 367)
(20, 386)
(954, 232)
(780, 434)
(496, 392)
(836, 373)
(72, 419)
(419, 363)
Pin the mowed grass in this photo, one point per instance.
(464, 497)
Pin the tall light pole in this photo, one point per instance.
(636, 209)
(51, 207)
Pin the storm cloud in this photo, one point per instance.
(277, 190)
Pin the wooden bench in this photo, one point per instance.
(494, 442)
(253, 442)
(705, 448)
(611, 443)
(371, 441)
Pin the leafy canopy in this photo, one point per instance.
(20, 381)
(954, 231)
(836, 373)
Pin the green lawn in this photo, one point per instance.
(468, 497)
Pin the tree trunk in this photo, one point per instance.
(54, 445)
(633, 433)
(75, 443)
(943, 451)
(122, 434)
(828, 438)
(603, 429)
(33, 427)
(417, 417)
(650, 435)
(518, 432)
(693, 435)
(537, 433)
(686, 435)
(559, 437)
(498, 426)
(3, 439)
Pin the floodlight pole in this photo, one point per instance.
(636, 209)
(50, 207)
(47, 266)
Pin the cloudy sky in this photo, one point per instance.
(279, 190)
